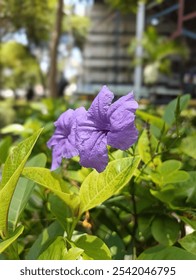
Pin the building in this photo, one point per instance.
(105, 56)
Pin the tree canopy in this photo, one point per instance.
(36, 20)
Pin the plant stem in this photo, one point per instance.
(12, 253)
(134, 252)
(70, 233)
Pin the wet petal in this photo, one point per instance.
(123, 139)
(99, 107)
(122, 132)
(63, 140)
(92, 146)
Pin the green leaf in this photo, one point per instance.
(11, 173)
(165, 230)
(94, 248)
(176, 177)
(73, 254)
(168, 173)
(115, 244)
(22, 193)
(7, 242)
(143, 230)
(147, 148)
(190, 222)
(179, 195)
(98, 187)
(15, 129)
(52, 182)
(78, 175)
(188, 189)
(4, 148)
(58, 251)
(43, 240)
(188, 146)
(166, 253)
(61, 211)
(189, 242)
(165, 194)
(170, 110)
(55, 250)
(169, 166)
(156, 121)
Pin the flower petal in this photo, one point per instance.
(64, 121)
(122, 132)
(99, 107)
(123, 139)
(63, 140)
(92, 146)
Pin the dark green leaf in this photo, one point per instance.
(165, 230)
(166, 253)
(44, 240)
(170, 110)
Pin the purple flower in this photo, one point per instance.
(87, 133)
(106, 124)
(63, 142)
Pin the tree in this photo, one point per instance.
(52, 76)
(36, 19)
(17, 63)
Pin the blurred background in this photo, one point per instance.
(58, 48)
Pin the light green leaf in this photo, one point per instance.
(176, 177)
(4, 148)
(13, 128)
(58, 251)
(181, 195)
(93, 247)
(98, 187)
(55, 251)
(169, 166)
(147, 148)
(165, 194)
(168, 173)
(73, 254)
(78, 175)
(165, 230)
(189, 242)
(156, 121)
(11, 173)
(52, 182)
(188, 146)
(166, 253)
(22, 193)
(7, 242)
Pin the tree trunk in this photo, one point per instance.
(52, 76)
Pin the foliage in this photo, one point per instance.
(157, 54)
(33, 18)
(18, 67)
(139, 208)
(78, 26)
